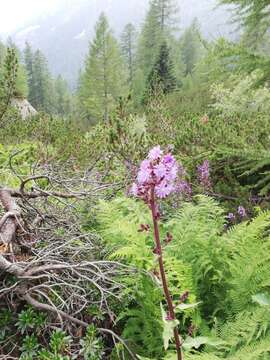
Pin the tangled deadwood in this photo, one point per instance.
(46, 260)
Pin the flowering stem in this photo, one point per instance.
(163, 275)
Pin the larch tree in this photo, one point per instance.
(128, 47)
(28, 61)
(42, 83)
(254, 18)
(62, 103)
(102, 81)
(149, 40)
(251, 13)
(191, 47)
(166, 12)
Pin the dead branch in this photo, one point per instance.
(43, 247)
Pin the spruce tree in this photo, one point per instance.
(103, 79)
(128, 47)
(161, 78)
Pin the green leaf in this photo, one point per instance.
(198, 341)
(261, 299)
(183, 307)
(168, 328)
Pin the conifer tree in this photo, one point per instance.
(62, 97)
(161, 78)
(10, 44)
(2, 52)
(42, 83)
(158, 26)
(251, 13)
(28, 61)
(191, 47)
(21, 86)
(166, 13)
(21, 82)
(128, 46)
(102, 81)
(8, 78)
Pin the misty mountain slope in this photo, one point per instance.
(64, 35)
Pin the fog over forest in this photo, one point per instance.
(64, 34)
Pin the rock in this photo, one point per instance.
(24, 107)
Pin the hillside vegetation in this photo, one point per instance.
(134, 212)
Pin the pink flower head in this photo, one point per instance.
(159, 173)
(155, 153)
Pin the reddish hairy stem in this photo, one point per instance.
(163, 274)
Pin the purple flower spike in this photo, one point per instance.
(184, 188)
(241, 211)
(204, 174)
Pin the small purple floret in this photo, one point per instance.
(231, 217)
(241, 211)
